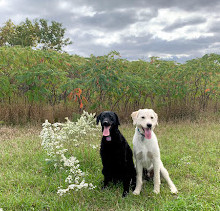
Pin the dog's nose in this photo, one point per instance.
(149, 125)
(105, 123)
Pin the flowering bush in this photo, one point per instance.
(58, 135)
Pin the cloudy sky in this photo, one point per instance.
(171, 29)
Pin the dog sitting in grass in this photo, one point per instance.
(115, 153)
(146, 150)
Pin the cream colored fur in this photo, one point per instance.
(147, 152)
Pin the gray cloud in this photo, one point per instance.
(114, 20)
(175, 47)
(184, 22)
(136, 25)
(188, 5)
(215, 27)
(133, 48)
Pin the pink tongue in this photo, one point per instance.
(106, 131)
(147, 133)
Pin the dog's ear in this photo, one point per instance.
(134, 117)
(156, 117)
(98, 118)
(117, 119)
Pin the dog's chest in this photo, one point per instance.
(145, 151)
(112, 151)
(145, 156)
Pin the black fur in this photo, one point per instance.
(116, 154)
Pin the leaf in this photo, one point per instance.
(81, 105)
(70, 96)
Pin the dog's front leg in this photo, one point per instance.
(165, 175)
(105, 182)
(107, 177)
(156, 165)
(126, 183)
(139, 170)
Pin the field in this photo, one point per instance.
(45, 84)
(189, 151)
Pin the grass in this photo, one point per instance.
(189, 151)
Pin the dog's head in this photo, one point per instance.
(145, 119)
(109, 121)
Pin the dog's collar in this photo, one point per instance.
(140, 132)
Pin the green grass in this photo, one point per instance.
(189, 151)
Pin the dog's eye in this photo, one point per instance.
(143, 117)
(152, 117)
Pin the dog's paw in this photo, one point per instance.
(104, 187)
(125, 193)
(174, 190)
(133, 186)
(135, 192)
(156, 191)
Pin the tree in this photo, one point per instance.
(35, 34)
(52, 37)
(7, 32)
(26, 34)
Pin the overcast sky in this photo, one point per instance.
(171, 29)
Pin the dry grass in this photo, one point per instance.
(19, 111)
(16, 132)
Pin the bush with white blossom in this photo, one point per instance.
(55, 137)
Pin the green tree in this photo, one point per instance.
(35, 34)
(52, 36)
(26, 34)
(7, 32)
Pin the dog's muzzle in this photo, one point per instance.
(106, 124)
(149, 126)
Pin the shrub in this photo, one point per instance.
(58, 135)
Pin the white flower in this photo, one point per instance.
(94, 146)
(53, 138)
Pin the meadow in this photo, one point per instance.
(189, 151)
(44, 84)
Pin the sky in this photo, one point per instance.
(177, 30)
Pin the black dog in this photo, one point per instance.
(116, 154)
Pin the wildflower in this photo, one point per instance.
(53, 138)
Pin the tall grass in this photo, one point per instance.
(190, 152)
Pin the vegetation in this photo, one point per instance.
(57, 138)
(38, 85)
(37, 34)
(188, 150)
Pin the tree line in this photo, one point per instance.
(46, 84)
